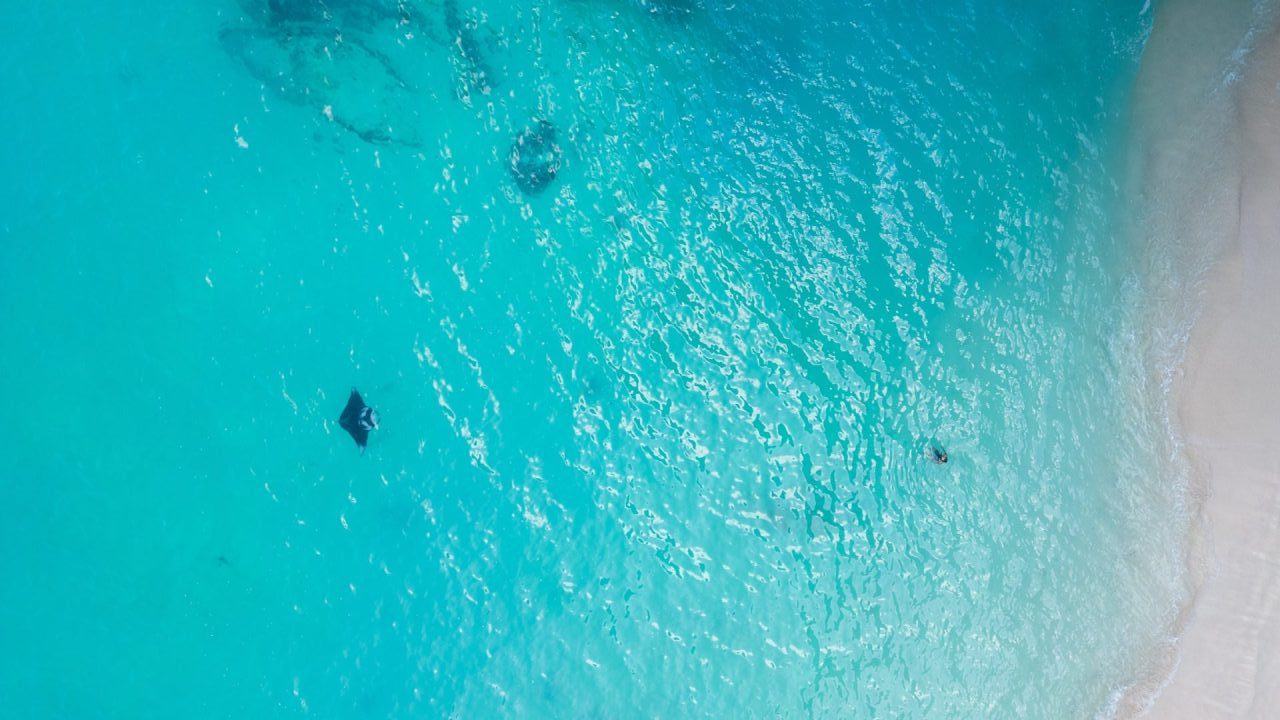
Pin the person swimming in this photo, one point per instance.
(936, 454)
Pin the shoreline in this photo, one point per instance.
(1224, 402)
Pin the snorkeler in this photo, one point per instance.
(936, 454)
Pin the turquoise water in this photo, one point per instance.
(652, 438)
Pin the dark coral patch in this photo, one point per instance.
(535, 158)
(670, 10)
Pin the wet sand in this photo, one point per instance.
(1227, 401)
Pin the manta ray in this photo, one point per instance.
(358, 419)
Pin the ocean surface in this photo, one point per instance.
(661, 303)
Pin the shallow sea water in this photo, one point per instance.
(653, 438)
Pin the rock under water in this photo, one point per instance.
(356, 87)
(670, 10)
(358, 15)
(535, 158)
(477, 73)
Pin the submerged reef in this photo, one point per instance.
(354, 85)
(352, 15)
(366, 64)
(477, 74)
(297, 10)
(535, 158)
(670, 10)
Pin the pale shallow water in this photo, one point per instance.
(652, 438)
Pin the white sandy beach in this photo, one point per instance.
(1227, 403)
